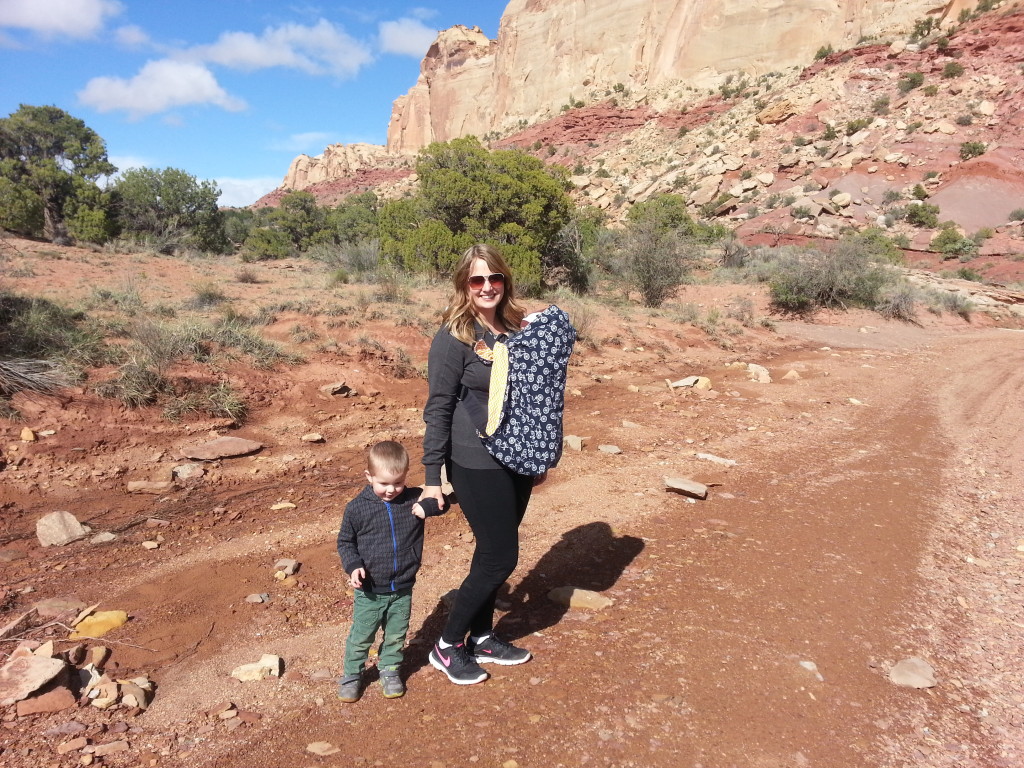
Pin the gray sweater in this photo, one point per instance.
(454, 369)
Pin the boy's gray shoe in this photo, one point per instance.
(392, 685)
(350, 689)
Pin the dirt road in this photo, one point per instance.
(872, 515)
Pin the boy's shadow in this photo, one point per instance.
(589, 556)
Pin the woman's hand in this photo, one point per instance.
(539, 479)
(433, 492)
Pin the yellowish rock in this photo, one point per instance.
(98, 624)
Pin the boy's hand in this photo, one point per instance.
(356, 577)
(418, 511)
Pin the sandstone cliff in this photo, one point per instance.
(551, 52)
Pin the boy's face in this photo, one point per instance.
(387, 485)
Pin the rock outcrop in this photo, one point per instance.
(340, 160)
(549, 53)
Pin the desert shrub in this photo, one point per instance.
(970, 149)
(853, 126)
(823, 51)
(264, 243)
(1017, 214)
(930, 90)
(952, 244)
(910, 81)
(391, 285)
(919, 192)
(898, 302)
(657, 260)
(891, 196)
(952, 69)
(846, 275)
(966, 273)
(924, 215)
(206, 295)
(876, 244)
(964, 119)
(136, 384)
(880, 106)
(830, 133)
(246, 275)
(40, 329)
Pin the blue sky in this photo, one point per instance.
(229, 90)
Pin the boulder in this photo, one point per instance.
(22, 676)
(59, 528)
(776, 113)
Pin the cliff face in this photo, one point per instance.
(550, 52)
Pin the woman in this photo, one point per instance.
(483, 311)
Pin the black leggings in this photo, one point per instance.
(494, 502)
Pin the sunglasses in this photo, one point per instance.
(477, 281)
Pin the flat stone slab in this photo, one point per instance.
(574, 597)
(221, 448)
(52, 607)
(687, 486)
(913, 673)
(22, 676)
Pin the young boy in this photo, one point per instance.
(381, 545)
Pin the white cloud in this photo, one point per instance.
(124, 162)
(407, 37)
(131, 36)
(311, 142)
(74, 18)
(319, 49)
(238, 193)
(159, 86)
(423, 13)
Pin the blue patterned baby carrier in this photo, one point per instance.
(523, 430)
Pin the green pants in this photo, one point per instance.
(371, 612)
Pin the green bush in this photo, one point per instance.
(952, 69)
(910, 81)
(804, 281)
(970, 149)
(265, 243)
(880, 106)
(924, 215)
(952, 244)
(823, 52)
(853, 126)
(964, 119)
(1017, 214)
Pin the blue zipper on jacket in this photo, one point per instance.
(394, 545)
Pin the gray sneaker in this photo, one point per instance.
(350, 689)
(392, 685)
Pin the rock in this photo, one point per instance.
(312, 437)
(72, 746)
(54, 700)
(59, 528)
(767, 178)
(258, 597)
(113, 747)
(695, 382)
(282, 505)
(612, 449)
(573, 442)
(286, 566)
(221, 448)
(776, 113)
(21, 677)
(716, 459)
(574, 597)
(27, 435)
(19, 624)
(630, 424)
(190, 471)
(791, 376)
(155, 487)
(913, 673)
(269, 665)
(103, 538)
(758, 373)
(150, 544)
(945, 127)
(322, 748)
(842, 200)
(98, 624)
(65, 729)
(338, 388)
(687, 486)
(898, 46)
(986, 108)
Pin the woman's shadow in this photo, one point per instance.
(589, 556)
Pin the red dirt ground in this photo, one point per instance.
(872, 515)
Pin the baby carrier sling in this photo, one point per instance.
(521, 426)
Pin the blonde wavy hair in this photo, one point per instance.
(459, 315)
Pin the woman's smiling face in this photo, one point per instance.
(487, 297)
